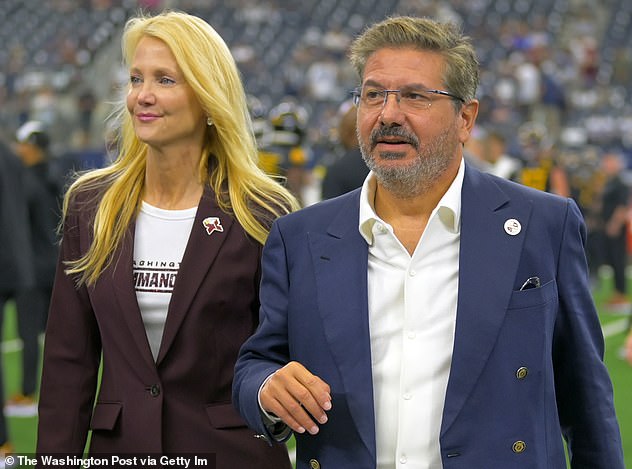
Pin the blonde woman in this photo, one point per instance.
(158, 276)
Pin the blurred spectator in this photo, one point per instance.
(348, 171)
(614, 218)
(149, 5)
(553, 102)
(473, 149)
(586, 182)
(541, 169)
(492, 156)
(287, 143)
(43, 187)
(322, 78)
(336, 40)
(86, 104)
(45, 105)
(16, 266)
(529, 83)
(17, 57)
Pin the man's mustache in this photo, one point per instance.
(402, 134)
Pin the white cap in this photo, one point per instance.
(29, 128)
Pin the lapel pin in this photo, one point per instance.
(212, 224)
(512, 227)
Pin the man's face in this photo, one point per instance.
(410, 148)
(28, 153)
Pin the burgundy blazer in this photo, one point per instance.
(180, 403)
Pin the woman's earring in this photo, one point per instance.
(209, 121)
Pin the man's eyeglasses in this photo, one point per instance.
(413, 100)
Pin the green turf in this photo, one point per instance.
(620, 370)
(621, 374)
(22, 430)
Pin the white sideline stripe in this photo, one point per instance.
(615, 327)
(16, 345)
(12, 346)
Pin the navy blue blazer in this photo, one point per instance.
(314, 310)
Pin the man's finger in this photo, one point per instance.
(298, 397)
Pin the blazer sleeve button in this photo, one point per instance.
(519, 446)
(522, 372)
(154, 390)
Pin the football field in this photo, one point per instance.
(22, 430)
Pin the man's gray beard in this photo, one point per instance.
(418, 177)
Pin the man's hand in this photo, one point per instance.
(297, 397)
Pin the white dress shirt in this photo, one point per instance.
(412, 315)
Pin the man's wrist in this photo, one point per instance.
(273, 423)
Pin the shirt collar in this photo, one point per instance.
(448, 209)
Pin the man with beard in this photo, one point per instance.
(437, 317)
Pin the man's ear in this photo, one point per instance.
(467, 114)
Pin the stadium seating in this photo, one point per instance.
(276, 41)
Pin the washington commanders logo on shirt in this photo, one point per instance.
(155, 276)
(212, 224)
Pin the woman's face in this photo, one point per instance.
(165, 111)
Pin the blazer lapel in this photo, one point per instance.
(210, 229)
(489, 258)
(123, 285)
(340, 258)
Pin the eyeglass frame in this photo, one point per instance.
(356, 95)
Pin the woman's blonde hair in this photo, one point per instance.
(229, 162)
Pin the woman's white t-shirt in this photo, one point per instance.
(159, 243)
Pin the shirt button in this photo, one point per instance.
(412, 273)
(154, 390)
(407, 396)
(403, 459)
(412, 335)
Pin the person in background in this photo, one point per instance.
(349, 170)
(16, 263)
(43, 189)
(438, 316)
(541, 168)
(283, 148)
(499, 163)
(158, 275)
(614, 225)
(487, 151)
